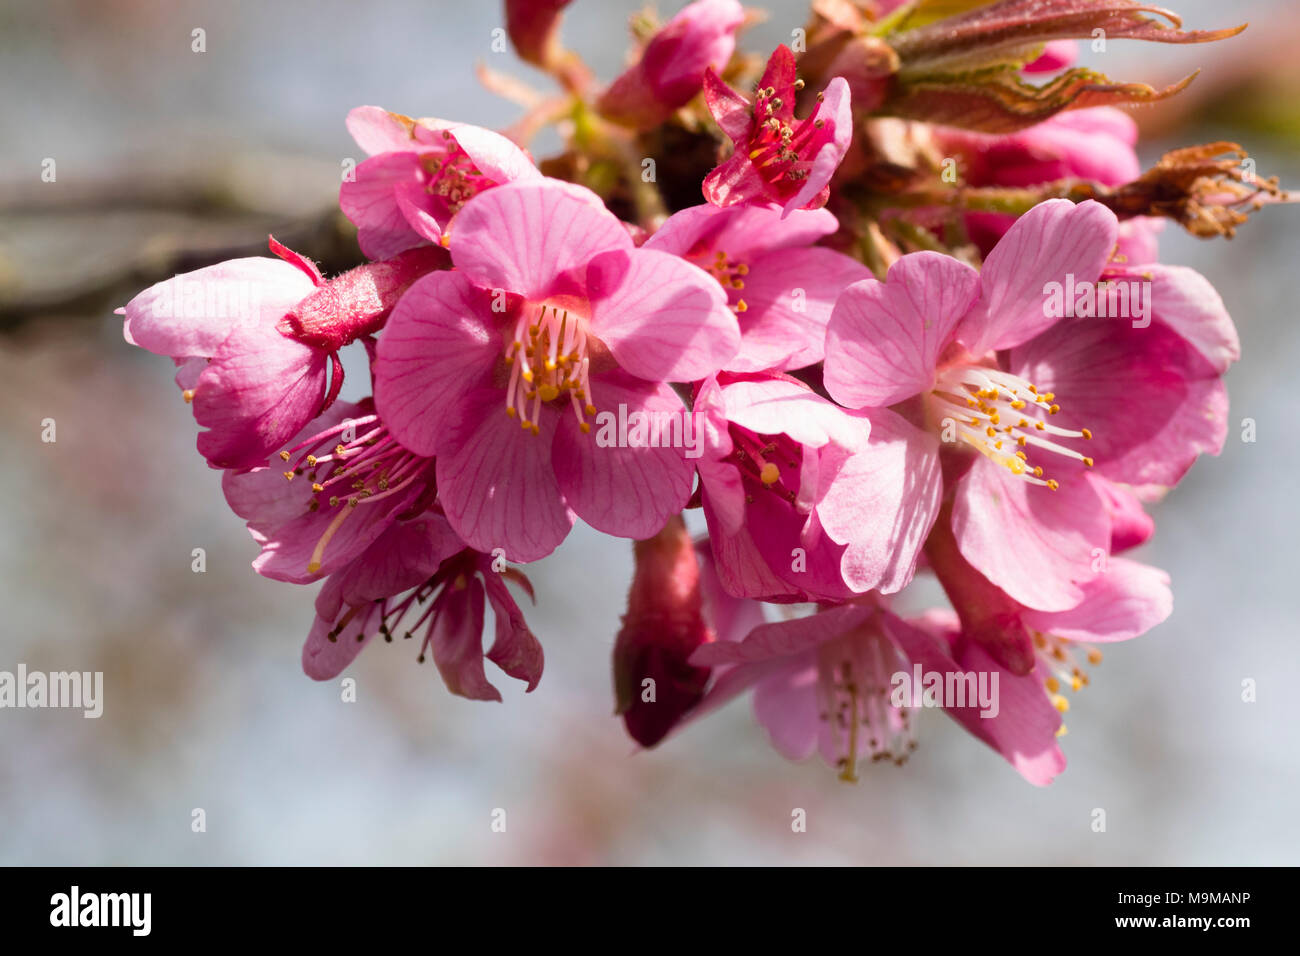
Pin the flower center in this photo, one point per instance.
(761, 460)
(548, 363)
(1056, 655)
(452, 176)
(777, 148)
(853, 690)
(353, 464)
(730, 274)
(1001, 416)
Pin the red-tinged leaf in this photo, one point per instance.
(984, 33)
(999, 102)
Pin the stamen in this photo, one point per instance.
(988, 405)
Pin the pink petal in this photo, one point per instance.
(1130, 525)
(404, 556)
(884, 338)
(193, 313)
(1185, 301)
(784, 638)
(662, 318)
(790, 295)
(785, 704)
(495, 156)
(784, 406)
(882, 504)
(323, 659)
(626, 491)
(259, 391)
(370, 201)
(515, 650)
(1151, 402)
(439, 342)
(496, 481)
(730, 110)
(835, 111)
(734, 181)
(377, 131)
(457, 641)
(1126, 600)
(523, 236)
(1025, 726)
(1054, 239)
(743, 232)
(1036, 544)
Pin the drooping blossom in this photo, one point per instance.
(419, 174)
(986, 362)
(255, 340)
(806, 501)
(777, 158)
(418, 577)
(829, 683)
(551, 316)
(781, 287)
(1053, 648)
(669, 72)
(342, 484)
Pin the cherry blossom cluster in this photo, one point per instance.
(884, 304)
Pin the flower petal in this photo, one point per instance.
(1126, 600)
(884, 338)
(662, 318)
(496, 482)
(1053, 240)
(1037, 545)
(523, 236)
(192, 314)
(621, 490)
(258, 391)
(438, 343)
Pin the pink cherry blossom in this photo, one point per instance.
(777, 158)
(1054, 648)
(669, 73)
(801, 503)
(419, 576)
(347, 481)
(255, 340)
(552, 315)
(418, 175)
(827, 684)
(980, 360)
(781, 287)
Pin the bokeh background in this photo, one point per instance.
(166, 157)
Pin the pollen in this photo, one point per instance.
(548, 362)
(979, 398)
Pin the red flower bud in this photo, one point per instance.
(654, 685)
(357, 302)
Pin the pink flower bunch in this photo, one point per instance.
(737, 301)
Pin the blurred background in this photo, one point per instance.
(167, 159)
